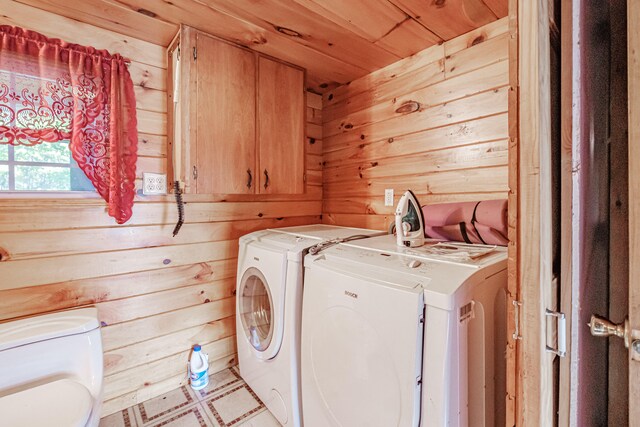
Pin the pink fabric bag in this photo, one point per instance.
(471, 222)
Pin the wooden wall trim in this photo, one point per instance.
(633, 33)
(618, 378)
(514, 390)
(535, 218)
(565, 412)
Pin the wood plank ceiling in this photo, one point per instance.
(337, 41)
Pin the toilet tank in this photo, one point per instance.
(41, 349)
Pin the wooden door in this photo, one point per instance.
(633, 46)
(225, 117)
(589, 222)
(280, 128)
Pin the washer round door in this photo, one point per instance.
(257, 312)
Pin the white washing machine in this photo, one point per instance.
(403, 336)
(268, 310)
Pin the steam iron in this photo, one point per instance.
(409, 221)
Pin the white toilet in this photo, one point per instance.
(51, 370)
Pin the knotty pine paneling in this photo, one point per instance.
(336, 41)
(156, 295)
(453, 147)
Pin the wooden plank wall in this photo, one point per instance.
(454, 147)
(336, 41)
(156, 295)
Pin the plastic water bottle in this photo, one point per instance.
(199, 368)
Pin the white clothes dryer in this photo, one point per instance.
(396, 336)
(268, 311)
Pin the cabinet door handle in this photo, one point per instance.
(250, 178)
(266, 179)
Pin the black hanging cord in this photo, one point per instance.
(178, 192)
(473, 223)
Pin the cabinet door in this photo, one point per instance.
(226, 117)
(280, 128)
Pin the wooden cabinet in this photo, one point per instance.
(280, 127)
(238, 119)
(226, 117)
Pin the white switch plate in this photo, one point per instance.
(154, 183)
(388, 197)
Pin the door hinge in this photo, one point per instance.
(516, 315)
(195, 53)
(561, 336)
(195, 172)
(304, 177)
(178, 57)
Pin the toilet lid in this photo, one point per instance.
(63, 403)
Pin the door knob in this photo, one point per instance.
(601, 327)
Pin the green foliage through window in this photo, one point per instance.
(42, 167)
(47, 152)
(4, 177)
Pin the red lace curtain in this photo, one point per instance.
(52, 91)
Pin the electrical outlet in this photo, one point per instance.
(154, 183)
(388, 197)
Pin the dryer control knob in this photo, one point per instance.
(414, 263)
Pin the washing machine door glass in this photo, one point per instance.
(256, 309)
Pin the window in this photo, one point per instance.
(60, 101)
(47, 166)
(43, 167)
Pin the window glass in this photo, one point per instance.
(47, 152)
(44, 167)
(4, 177)
(42, 178)
(79, 181)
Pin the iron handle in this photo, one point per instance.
(250, 178)
(266, 176)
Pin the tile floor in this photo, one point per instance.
(227, 401)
